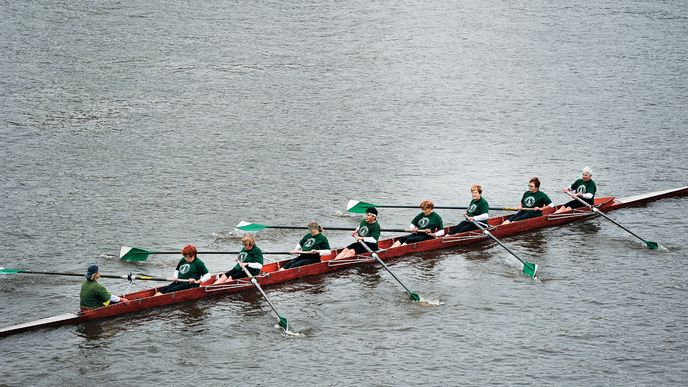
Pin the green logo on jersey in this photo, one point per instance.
(309, 242)
(581, 189)
(472, 208)
(529, 202)
(183, 269)
(423, 222)
(363, 231)
(243, 256)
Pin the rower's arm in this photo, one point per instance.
(176, 274)
(324, 252)
(255, 265)
(205, 277)
(370, 240)
(587, 196)
(481, 217)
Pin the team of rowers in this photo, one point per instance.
(192, 272)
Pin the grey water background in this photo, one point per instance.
(161, 124)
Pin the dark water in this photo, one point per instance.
(157, 125)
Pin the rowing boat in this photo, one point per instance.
(270, 275)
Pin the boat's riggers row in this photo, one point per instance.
(359, 207)
(270, 275)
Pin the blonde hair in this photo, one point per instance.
(248, 238)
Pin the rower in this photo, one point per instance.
(310, 248)
(532, 203)
(94, 295)
(478, 210)
(367, 231)
(250, 257)
(583, 188)
(190, 272)
(426, 225)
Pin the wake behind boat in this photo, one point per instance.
(271, 275)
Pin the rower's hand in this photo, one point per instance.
(313, 252)
(295, 252)
(469, 218)
(124, 300)
(413, 229)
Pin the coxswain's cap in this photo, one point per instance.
(371, 210)
(93, 269)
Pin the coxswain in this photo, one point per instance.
(94, 295)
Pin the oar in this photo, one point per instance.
(650, 245)
(135, 254)
(129, 277)
(282, 321)
(359, 207)
(254, 227)
(413, 296)
(529, 268)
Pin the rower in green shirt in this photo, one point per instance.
(190, 272)
(310, 248)
(426, 225)
(93, 294)
(583, 188)
(532, 203)
(478, 210)
(367, 231)
(250, 257)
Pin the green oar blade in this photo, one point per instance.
(652, 245)
(283, 323)
(250, 227)
(4, 270)
(133, 254)
(414, 296)
(358, 207)
(530, 269)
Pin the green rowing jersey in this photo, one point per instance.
(366, 229)
(582, 186)
(535, 199)
(477, 207)
(255, 255)
(432, 221)
(310, 242)
(196, 269)
(93, 295)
